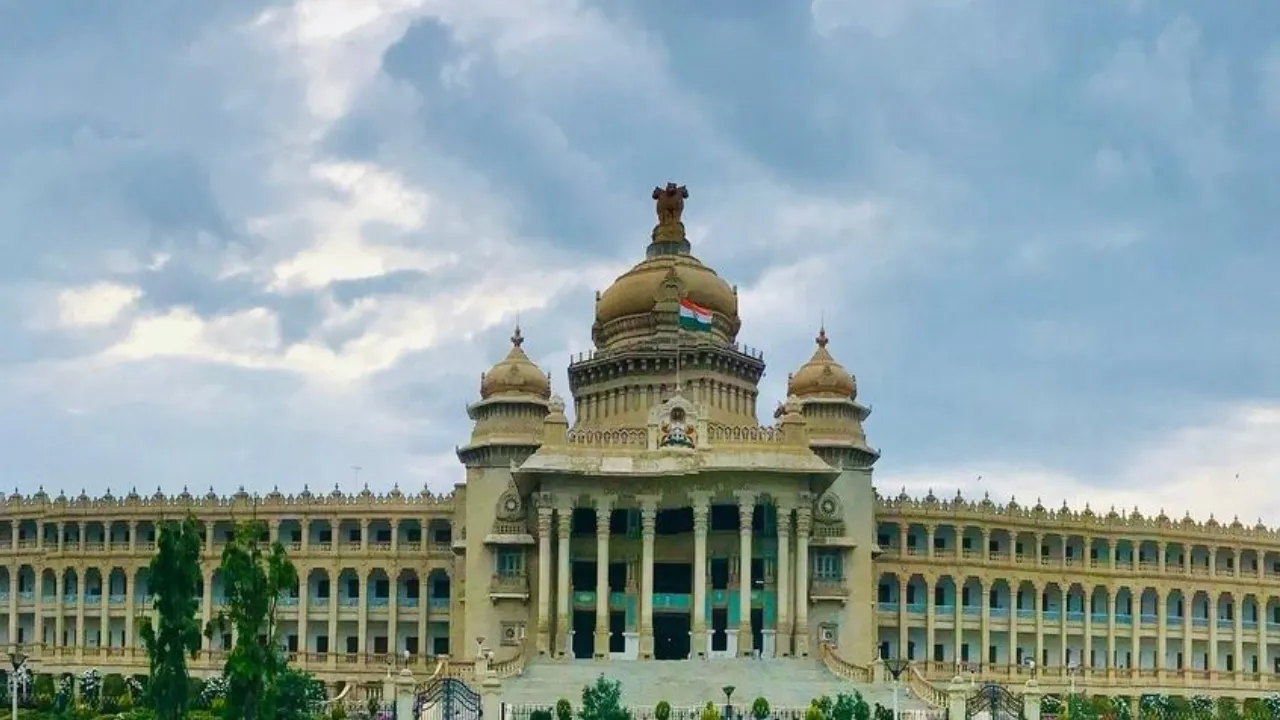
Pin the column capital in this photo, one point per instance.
(564, 522)
(804, 519)
(544, 522)
(700, 501)
(784, 520)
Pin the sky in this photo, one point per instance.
(261, 244)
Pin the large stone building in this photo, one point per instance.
(667, 522)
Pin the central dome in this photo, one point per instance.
(644, 301)
(639, 289)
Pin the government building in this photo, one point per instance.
(665, 522)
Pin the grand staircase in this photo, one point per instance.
(785, 683)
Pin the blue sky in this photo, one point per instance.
(258, 243)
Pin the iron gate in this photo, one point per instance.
(447, 699)
(996, 701)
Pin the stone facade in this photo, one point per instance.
(666, 522)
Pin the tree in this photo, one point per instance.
(602, 700)
(174, 575)
(254, 580)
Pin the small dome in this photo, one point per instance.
(515, 375)
(822, 376)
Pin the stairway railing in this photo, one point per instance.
(842, 668)
(925, 690)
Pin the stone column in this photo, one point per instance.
(544, 580)
(746, 509)
(803, 520)
(564, 523)
(648, 521)
(1237, 614)
(1031, 696)
(334, 585)
(304, 607)
(362, 604)
(604, 508)
(957, 694)
(701, 507)
(59, 620)
(784, 581)
(82, 597)
(1213, 635)
(13, 595)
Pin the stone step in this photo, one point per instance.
(785, 683)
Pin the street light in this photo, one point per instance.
(728, 699)
(895, 666)
(1072, 669)
(17, 658)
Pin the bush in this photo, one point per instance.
(602, 700)
(662, 711)
(759, 709)
(564, 710)
(711, 713)
(541, 714)
(814, 712)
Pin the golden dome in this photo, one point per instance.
(636, 291)
(822, 376)
(515, 374)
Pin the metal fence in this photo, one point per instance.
(694, 712)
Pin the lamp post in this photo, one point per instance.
(17, 658)
(728, 700)
(895, 666)
(1072, 670)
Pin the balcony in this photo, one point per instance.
(509, 587)
(438, 605)
(821, 589)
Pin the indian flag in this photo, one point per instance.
(693, 316)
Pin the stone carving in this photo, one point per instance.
(670, 205)
(678, 431)
(510, 505)
(828, 508)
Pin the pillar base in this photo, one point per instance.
(602, 644)
(744, 640)
(646, 642)
(802, 640)
(782, 641)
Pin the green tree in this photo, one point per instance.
(254, 579)
(174, 576)
(602, 700)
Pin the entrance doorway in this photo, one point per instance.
(757, 630)
(671, 636)
(584, 634)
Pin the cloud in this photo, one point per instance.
(262, 242)
(1179, 90)
(95, 305)
(1223, 467)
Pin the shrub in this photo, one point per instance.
(541, 714)
(711, 713)
(759, 709)
(813, 713)
(564, 710)
(882, 713)
(602, 700)
(662, 711)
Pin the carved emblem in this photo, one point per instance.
(670, 207)
(677, 431)
(828, 509)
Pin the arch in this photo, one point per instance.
(971, 596)
(439, 532)
(1099, 600)
(378, 589)
(439, 590)
(917, 594)
(26, 582)
(943, 595)
(142, 587)
(1175, 608)
(349, 586)
(70, 587)
(93, 589)
(408, 588)
(117, 588)
(319, 588)
(1200, 609)
(48, 585)
(1075, 602)
(1000, 598)
(1051, 601)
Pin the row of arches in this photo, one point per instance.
(1072, 601)
(99, 534)
(118, 585)
(974, 541)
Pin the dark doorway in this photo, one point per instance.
(719, 573)
(617, 630)
(757, 630)
(671, 637)
(719, 624)
(584, 634)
